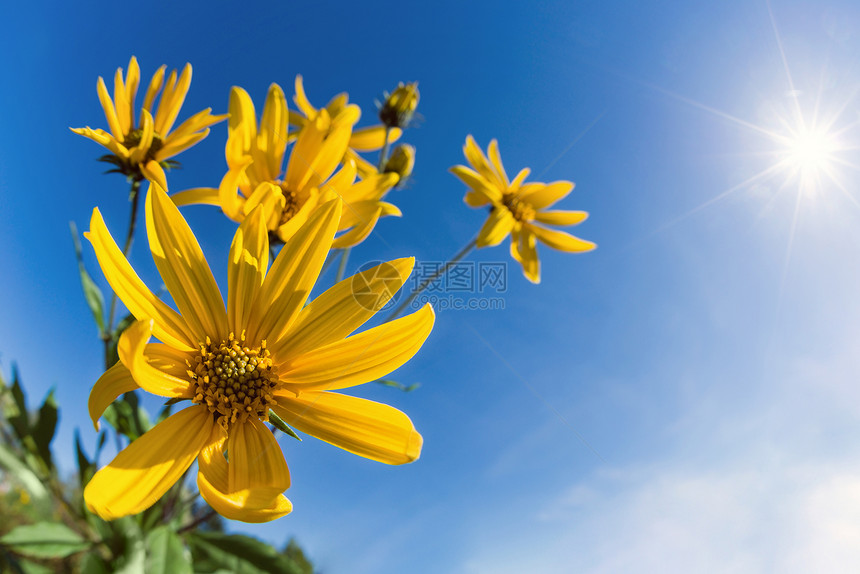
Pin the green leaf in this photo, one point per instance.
(165, 553)
(396, 385)
(93, 295)
(85, 467)
(16, 411)
(45, 540)
(279, 424)
(92, 563)
(22, 473)
(237, 553)
(133, 559)
(45, 428)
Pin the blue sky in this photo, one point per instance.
(682, 399)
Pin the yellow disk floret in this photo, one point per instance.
(235, 381)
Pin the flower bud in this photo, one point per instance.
(401, 162)
(400, 105)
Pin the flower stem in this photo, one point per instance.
(198, 521)
(383, 153)
(442, 271)
(341, 268)
(134, 198)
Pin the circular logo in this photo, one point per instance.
(376, 286)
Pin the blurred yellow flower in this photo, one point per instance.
(401, 162)
(266, 351)
(517, 208)
(362, 140)
(141, 149)
(255, 157)
(400, 105)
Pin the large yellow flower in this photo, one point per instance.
(517, 208)
(141, 149)
(362, 140)
(266, 350)
(255, 156)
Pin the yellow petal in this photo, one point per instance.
(195, 196)
(496, 228)
(357, 359)
(561, 240)
(293, 274)
(305, 151)
(132, 80)
(154, 87)
(249, 260)
(177, 98)
(114, 382)
(286, 231)
(256, 460)
(372, 187)
(484, 191)
(228, 191)
(301, 99)
(242, 124)
(519, 179)
(344, 307)
(154, 173)
(561, 217)
(101, 137)
(479, 162)
(140, 151)
(183, 267)
(358, 213)
(178, 145)
(366, 428)
(272, 138)
(270, 198)
(170, 327)
(123, 108)
(529, 257)
(359, 232)
(341, 183)
(261, 504)
(496, 159)
(372, 138)
(149, 466)
(545, 195)
(110, 111)
(164, 383)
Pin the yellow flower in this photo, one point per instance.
(401, 162)
(517, 208)
(399, 106)
(255, 157)
(140, 150)
(266, 351)
(362, 140)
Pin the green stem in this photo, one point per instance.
(197, 522)
(383, 153)
(341, 268)
(134, 197)
(439, 273)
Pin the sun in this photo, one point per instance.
(812, 150)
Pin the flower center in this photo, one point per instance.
(133, 140)
(236, 382)
(521, 210)
(291, 207)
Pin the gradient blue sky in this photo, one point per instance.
(683, 399)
